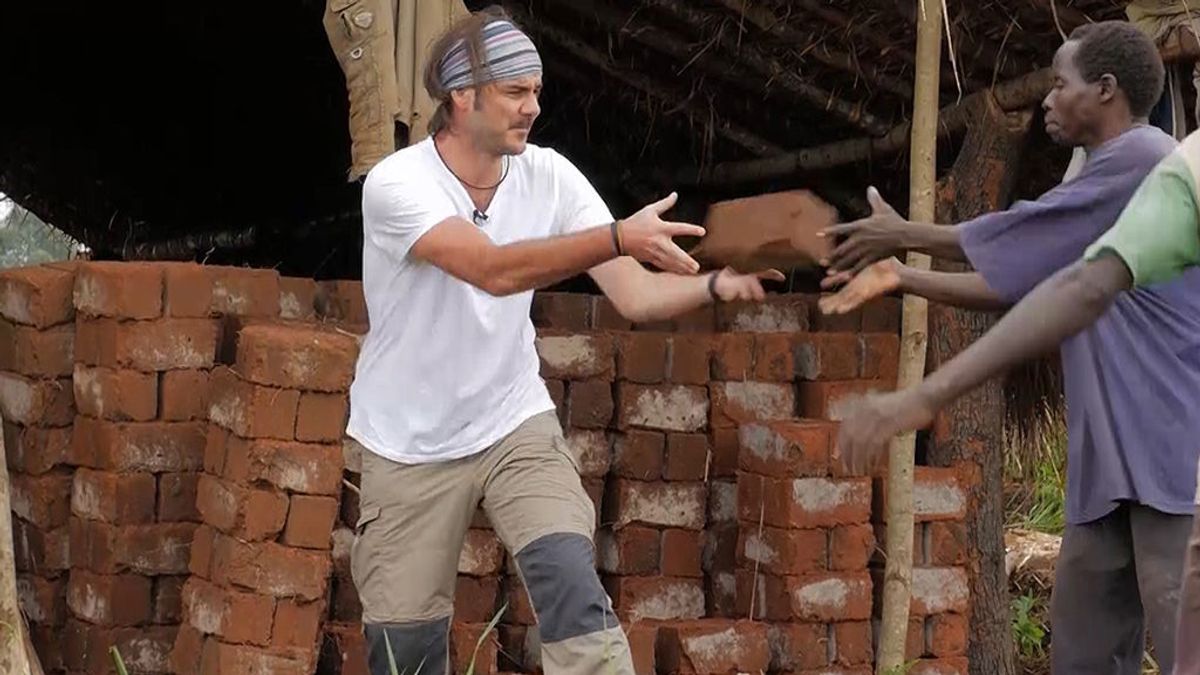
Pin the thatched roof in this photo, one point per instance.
(220, 129)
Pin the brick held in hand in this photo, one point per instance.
(773, 230)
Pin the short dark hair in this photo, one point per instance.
(1119, 49)
(470, 29)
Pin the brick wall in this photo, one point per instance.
(180, 480)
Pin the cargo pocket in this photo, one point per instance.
(357, 33)
(360, 548)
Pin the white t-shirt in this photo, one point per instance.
(448, 369)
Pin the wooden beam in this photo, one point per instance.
(765, 20)
(854, 114)
(1022, 92)
(656, 90)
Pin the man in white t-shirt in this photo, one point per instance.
(459, 230)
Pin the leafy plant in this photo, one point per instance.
(1028, 630)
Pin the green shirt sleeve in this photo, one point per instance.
(1157, 236)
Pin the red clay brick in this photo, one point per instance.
(177, 497)
(568, 311)
(345, 603)
(203, 550)
(804, 502)
(605, 316)
(594, 487)
(168, 599)
(308, 468)
(269, 568)
(702, 320)
(657, 504)
(117, 498)
(733, 357)
(558, 394)
(854, 643)
(643, 639)
(187, 291)
(160, 548)
(656, 598)
(820, 596)
(682, 551)
(687, 457)
(38, 296)
(642, 357)
(948, 635)
(482, 554)
(297, 298)
(724, 463)
(638, 454)
(40, 500)
(162, 344)
(31, 402)
(773, 358)
(829, 400)
(138, 446)
(40, 551)
(938, 494)
(341, 300)
(310, 521)
(42, 600)
(850, 322)
(297, 625)
(296, 357)
(48, 644)
(252, 410)
(722, 502)
(828, 356)
(882, 315)
(939, 589)
(220, 657)
(34, 450)
(663, 407)
(119, 289)
(629, 550)
(590, 404)
(689, 360)
(575, 357)
(144, 649)
(244, 292)
(781, 552)
(735, 403)
(472, 650)
(120, 395)
(184, 395)
(37, 353)
(790, 449)
(798, 647)
(593, 450)
(109, 600)
(216, 444)
(709, 646)
(778, 314)
(520, 610)
(321, 417)
(476, 598)
(947, 543)
(851, 547)
(249, 514)
(348, 655)
(880, 356)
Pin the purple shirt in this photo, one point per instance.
(1132, 380)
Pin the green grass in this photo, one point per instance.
(1035, 470)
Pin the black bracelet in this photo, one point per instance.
(712, 285)
(616, 236)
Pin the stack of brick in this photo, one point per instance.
(256, 599)
(938, 624)
(147, 336)
(36, 403)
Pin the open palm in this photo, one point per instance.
(876, 280)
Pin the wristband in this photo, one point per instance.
(616, 235)
(712, 285)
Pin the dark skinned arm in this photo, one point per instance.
(1057, 309)
(965, 289)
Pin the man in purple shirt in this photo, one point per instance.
(1131, 467)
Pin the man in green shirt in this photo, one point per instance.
(1155, 240)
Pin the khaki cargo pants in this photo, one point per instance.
(410, 533)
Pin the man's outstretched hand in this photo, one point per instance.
(870, 423)
(877, 280)
(875, 237)
(647, 237)
(731, 285)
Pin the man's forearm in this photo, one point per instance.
(966, 289)
(939, 241)
(664, 295)
(1058, 308)
(536, 263)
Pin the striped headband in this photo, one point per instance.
(507, 53)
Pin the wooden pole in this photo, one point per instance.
(897, 580)
(14, 657)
